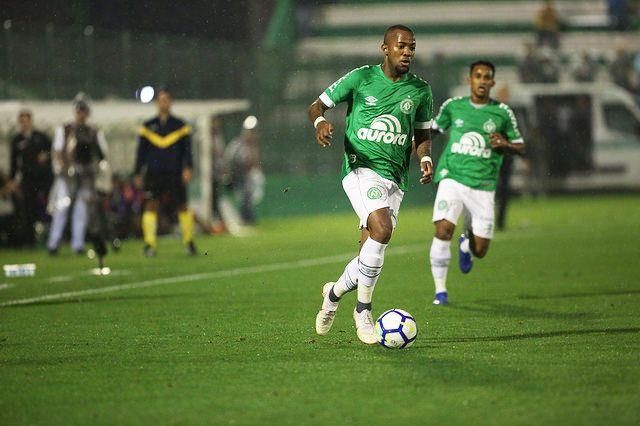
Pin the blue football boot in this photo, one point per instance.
(441, 298)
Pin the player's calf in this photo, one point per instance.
(477, 245)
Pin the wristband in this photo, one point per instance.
(318, 121)
(426, 158)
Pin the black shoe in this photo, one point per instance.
(53, 251)
(149, 251)
(191, 249)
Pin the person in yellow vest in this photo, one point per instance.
(164, 166)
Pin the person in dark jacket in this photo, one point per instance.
(31, 174)
(164, 166)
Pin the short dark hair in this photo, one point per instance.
(396, 27)
(25, 112)
(483, 63)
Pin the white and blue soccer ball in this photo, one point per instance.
(396, 329)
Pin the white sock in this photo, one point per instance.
(467, 221)
(348, 281)
(369, 267)
(465, 245)
(440, 255)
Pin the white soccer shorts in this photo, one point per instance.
(368, 191)
(453, 198)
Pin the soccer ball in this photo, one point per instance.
(396, 329)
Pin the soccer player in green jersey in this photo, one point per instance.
(481, 131)
(387, 107)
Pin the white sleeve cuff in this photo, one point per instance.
(434, 126)
(423, 124)
(517, 141)
(327, 100)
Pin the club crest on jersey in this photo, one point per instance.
(385, 128)
(471, 143)
(371, 101)
(374, 193)
(489, 126)
(406, 106)
(459, 122)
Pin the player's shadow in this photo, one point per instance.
(572, 295)
(502, 309)
(540, 335)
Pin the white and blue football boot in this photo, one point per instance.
(441, 298)
(465, 259)
(327, 313)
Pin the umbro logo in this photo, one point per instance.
(371, 101)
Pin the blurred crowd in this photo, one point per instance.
(64, 190)
(542, 61)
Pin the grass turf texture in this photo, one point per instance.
(543, 331)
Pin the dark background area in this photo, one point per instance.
(238, 20)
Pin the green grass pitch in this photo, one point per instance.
(545, 330)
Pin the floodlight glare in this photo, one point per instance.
(146, 94)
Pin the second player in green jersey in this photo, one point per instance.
(468, 157)
(481, 130)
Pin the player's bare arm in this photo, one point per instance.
(422, 140)
(324, 128)
(500, 143)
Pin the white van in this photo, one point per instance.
(580, 136)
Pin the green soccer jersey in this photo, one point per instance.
(468, 157)
(381, 116)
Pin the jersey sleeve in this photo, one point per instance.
(342, 89)
(511, 126)
(187, 157)
(424, 113)
(443, 119)
(14, 157)
(102, 145)
(141, 152)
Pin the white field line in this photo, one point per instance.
(247, 270)
(5, 286)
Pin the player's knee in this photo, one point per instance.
(381, 231)
(383, 236)
(444, 234)
(444, 231)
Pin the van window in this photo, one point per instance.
(619, 118)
